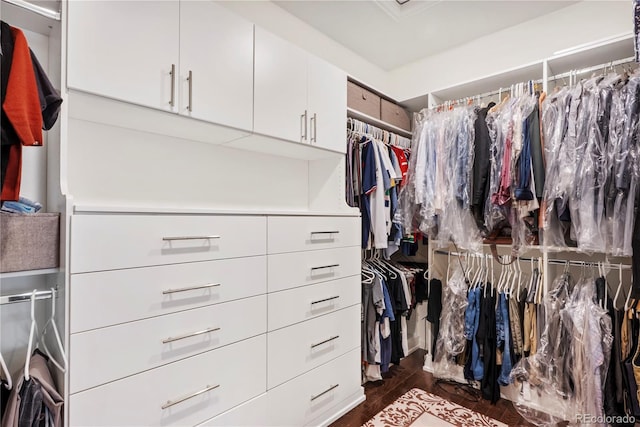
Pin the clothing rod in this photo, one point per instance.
(593, 68)
(373, 127)
(10, 299)
(43, 11)
(550, 261)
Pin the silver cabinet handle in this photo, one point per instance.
(170, 239)
(173, 85)
(193, 334)
(303, 125)
(325, 341)
(190, 80)
(170, 403)
(325, 300)
(325, 266)
(333, 387)
(325, 232)
(191, 288)
(313, 128)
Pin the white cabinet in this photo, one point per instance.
(124, 49)
(216, 64)
(297, 97)
(327, 104)
(190, 57)
(280, 97)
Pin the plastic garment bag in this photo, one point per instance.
(591, 343)
(451, 340)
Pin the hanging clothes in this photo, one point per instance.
(29, 104)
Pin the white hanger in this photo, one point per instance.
(52, 322)
(7, 374)
(33, 330)
(626, 303)
(615, 298)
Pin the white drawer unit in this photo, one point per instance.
(304, 346)
(183, 393)
(250, 414)
(305, 268)
(294, 234)
(129, 348)
(308, 397)
(107, 242)
(140, 293)
(308, 302)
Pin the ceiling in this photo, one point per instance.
(391, 35)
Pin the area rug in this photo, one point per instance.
(417, 408)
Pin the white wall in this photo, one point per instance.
(280, 22)
(584, 22)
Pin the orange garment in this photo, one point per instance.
(22, 107)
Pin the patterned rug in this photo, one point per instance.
(417, 408)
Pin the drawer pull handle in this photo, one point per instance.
(333, 387)
(325, 300)
(194, 334)
(170, 403)
(191, 288)
(170, 239)
(325, 341)
(325, 232)
(325, 266)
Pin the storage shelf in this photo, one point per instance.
(377, 122)
(29, 273)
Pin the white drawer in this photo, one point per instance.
(107, 242)
(237, 370)
(250, 414)
(304, 346)
(130, 348)
(308, 302)
(304, 233)
(304, 268)
(309, 396)
(112, 297)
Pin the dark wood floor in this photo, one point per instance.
(408, 375)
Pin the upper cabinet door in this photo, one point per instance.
(327, 105)
(216, 47)
(124, 50)
(280, 97)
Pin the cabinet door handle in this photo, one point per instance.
(190, 80)
(170, 403)
(193, 334)
(314, 125)
(190, 288)
(170, 239)
(325, 266)
(303, 125)
(325, 341)
(325, 300)
(172, 102)
(333, 387)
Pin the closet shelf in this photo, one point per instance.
(377, 122)
(29, 273)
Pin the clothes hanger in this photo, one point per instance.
(51, 322)
(7, 374)
(615, 298)
(32, 331)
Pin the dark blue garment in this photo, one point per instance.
(504, 339)
(368, 185)
(523, 190)
(385, 353)
(388, 308)
(474, 370)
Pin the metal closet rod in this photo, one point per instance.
(550, 261)
(43, 11)
(553, 78)
(25, 297)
